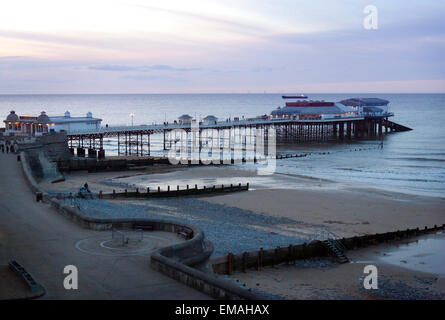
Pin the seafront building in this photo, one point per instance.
(369, 107)
(313, 110)
(323, 110)
(24, 126)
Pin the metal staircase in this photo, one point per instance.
(333, 244)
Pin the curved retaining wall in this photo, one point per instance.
(175, 261)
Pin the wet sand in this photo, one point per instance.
(322, 279)
(346, 209)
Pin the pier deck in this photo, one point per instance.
(135, 140)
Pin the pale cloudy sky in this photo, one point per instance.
(144, 46)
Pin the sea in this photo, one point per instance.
(410, 162)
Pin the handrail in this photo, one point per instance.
(326, 235)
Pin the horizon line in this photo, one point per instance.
(214, 93)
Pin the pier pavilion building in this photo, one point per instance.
(313, 110)
(16, 125)
(369, 107)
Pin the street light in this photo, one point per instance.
(132, 116)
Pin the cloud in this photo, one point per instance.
(213, 20)
(158, 67)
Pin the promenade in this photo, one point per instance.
(44, 243)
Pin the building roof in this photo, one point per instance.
(333, 109)
(210, 118)
(185, 116)
(43, 118)
(12, 117)
(364, 102)
(63, 119)
(67, 118)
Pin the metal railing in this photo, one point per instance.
(326, 235)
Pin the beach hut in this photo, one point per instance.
(185, 119)
(210, 119)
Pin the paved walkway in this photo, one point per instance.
(44, 242)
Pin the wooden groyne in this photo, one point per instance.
(262, 258)
(305, 154)
(158, 193)
(177, 192)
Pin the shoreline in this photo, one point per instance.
(347, 209)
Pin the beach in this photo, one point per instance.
(278, 209)
(283, 209)
(323, 279)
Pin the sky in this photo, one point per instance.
(212, 46)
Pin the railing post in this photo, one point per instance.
(229, 263)
(260, 259)
(289, 254)
(245, 256)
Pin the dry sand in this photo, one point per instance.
(346, 212)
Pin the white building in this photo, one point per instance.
(73, 124)
(16, 125)
(369, 107)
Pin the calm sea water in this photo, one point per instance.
(412, 162)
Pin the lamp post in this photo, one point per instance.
(132, 116)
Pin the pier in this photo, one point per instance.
(136, 140)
